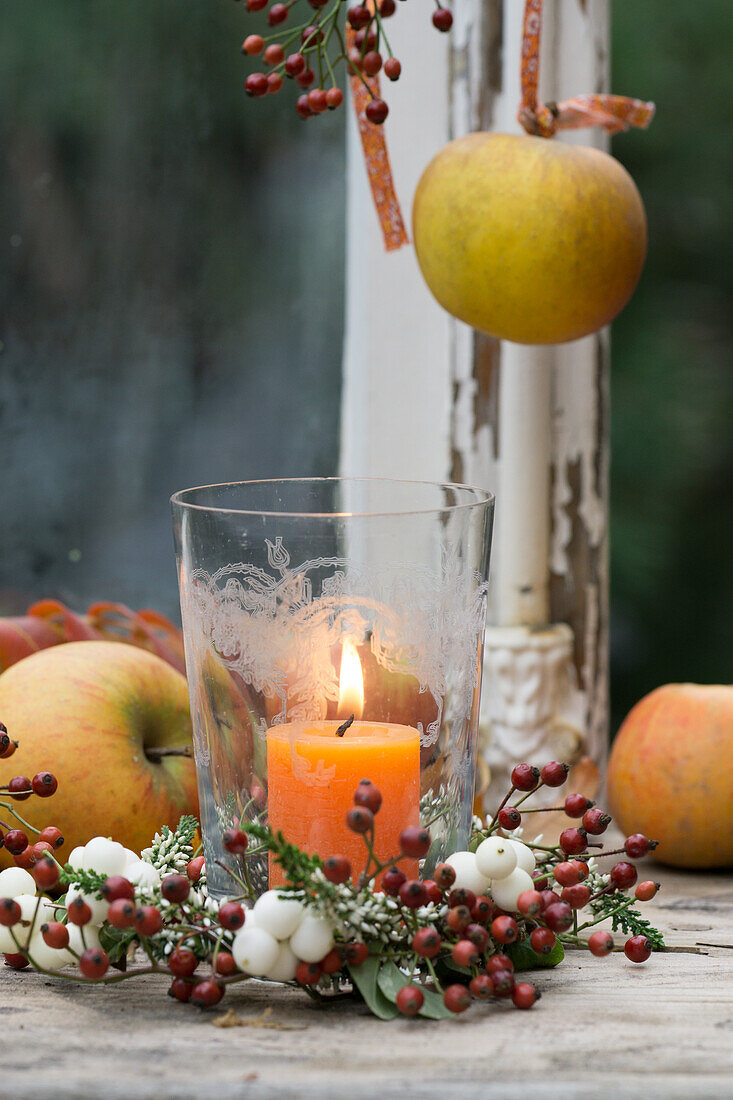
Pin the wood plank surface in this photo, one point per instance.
(604, 1028)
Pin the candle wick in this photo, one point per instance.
(344, 726)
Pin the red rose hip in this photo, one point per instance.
(206, 994)
(409, 1000)
(525, 995)
(595, 821)
(415, 842)
(413, 894)
(645, 891)
(637, 845)
(457, 998)
(337, 869)
(558, 917)
(638, 949)
(504, 930)
(182, 962)
(600, 944)
(623, 875)
(542, 940)
(573, 841)
(392, 879)
(554, 774)
(360, 820)
(94, 963)
(524, 777)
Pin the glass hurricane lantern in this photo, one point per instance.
(309, 604)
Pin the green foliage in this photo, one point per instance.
(628, 919)
(391, 980)
(89, 882)
(366, 980)
(525, 958)
(116, 942)
(298, 866)
(671, 383)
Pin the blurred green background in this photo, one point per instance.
(171, 300)
(672, 375)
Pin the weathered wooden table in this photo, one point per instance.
(605, 1028)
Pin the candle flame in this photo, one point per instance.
(351, 682)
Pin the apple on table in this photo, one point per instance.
(112, 723)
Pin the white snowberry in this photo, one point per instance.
(255, 951)
(98, 906)
(280, 916)
(312, 939)
(48, 958)
(104, 856)
(76, 858)
(468, 875)
(7, 943)
(89, 940)
(525, 855)
(505, 891)
(27, 903)
(142, 874)
(131, 857)
(285, 966)
(495, 857)
(14, 881)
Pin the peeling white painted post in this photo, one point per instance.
(426, 397)
(521, 593)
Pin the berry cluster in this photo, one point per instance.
(311, 51)
(430, 945)
(26, 855)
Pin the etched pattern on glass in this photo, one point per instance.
(279, 631)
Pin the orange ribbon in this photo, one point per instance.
(376, 158)
(613, 112)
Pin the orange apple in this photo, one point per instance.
(96, 714)
(670, 774)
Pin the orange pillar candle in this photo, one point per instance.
(312, 773)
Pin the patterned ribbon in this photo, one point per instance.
(613, 112)
(376, 158)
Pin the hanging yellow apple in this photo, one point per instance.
(529, 239)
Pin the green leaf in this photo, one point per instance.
(366, 980)
(391, 980)
(433, 1007)
(525, 958)
(448, 964)
(115, 942)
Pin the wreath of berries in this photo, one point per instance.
(430, 946)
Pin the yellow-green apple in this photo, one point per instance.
(112, 723)
(530, 240)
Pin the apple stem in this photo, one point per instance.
(157, 753)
